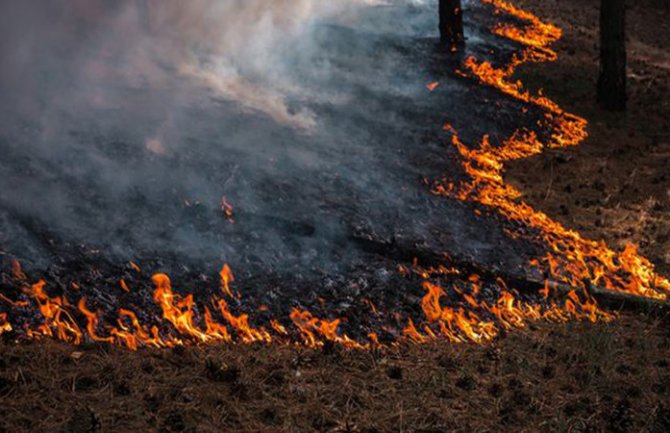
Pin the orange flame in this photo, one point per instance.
(5, 326)
(56, 316)
(92, 323)
(571, 258)
(315, 331)
(176, 309)
(227, 209)
(227, 277)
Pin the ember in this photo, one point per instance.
(227, 209)
(432, 86)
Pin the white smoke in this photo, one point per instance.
(237, 48)
(240, 49)
(117, 113)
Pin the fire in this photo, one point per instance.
(241, 325)
(92, 320)
(227, 277)
(413, 334)
(58, 321)
(432, 86)
(132, 336)
(571, 258)
(536, 36)
(315, 331)
(462, 311)
(181, 312)
(482, 321)
(227, 210)
(176, 309)
(5, 326)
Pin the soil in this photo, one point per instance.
(573, 377)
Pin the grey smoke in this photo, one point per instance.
(121, 130)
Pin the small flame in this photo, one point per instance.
(315, 331)
(92, 320)
(432, 86)
(227, 210)
(58, 322)
(5, 326)
(227, 277)
(176, 309)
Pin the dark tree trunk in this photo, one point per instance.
(451, 24)
(612, 80)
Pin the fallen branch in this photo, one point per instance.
(615, 300)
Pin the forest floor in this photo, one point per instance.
(573, 377)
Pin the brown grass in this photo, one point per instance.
(557, 378)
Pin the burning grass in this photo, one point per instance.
(570, 258)
(182, 321)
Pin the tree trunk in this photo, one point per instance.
(451, 24)
(612, 80)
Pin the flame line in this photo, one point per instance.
(570, 258)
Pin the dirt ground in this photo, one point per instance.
(574, 377)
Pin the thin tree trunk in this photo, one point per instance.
(451, 24)
(612, 80)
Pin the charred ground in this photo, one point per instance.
(322, 218)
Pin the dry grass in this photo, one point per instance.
(558, 378)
